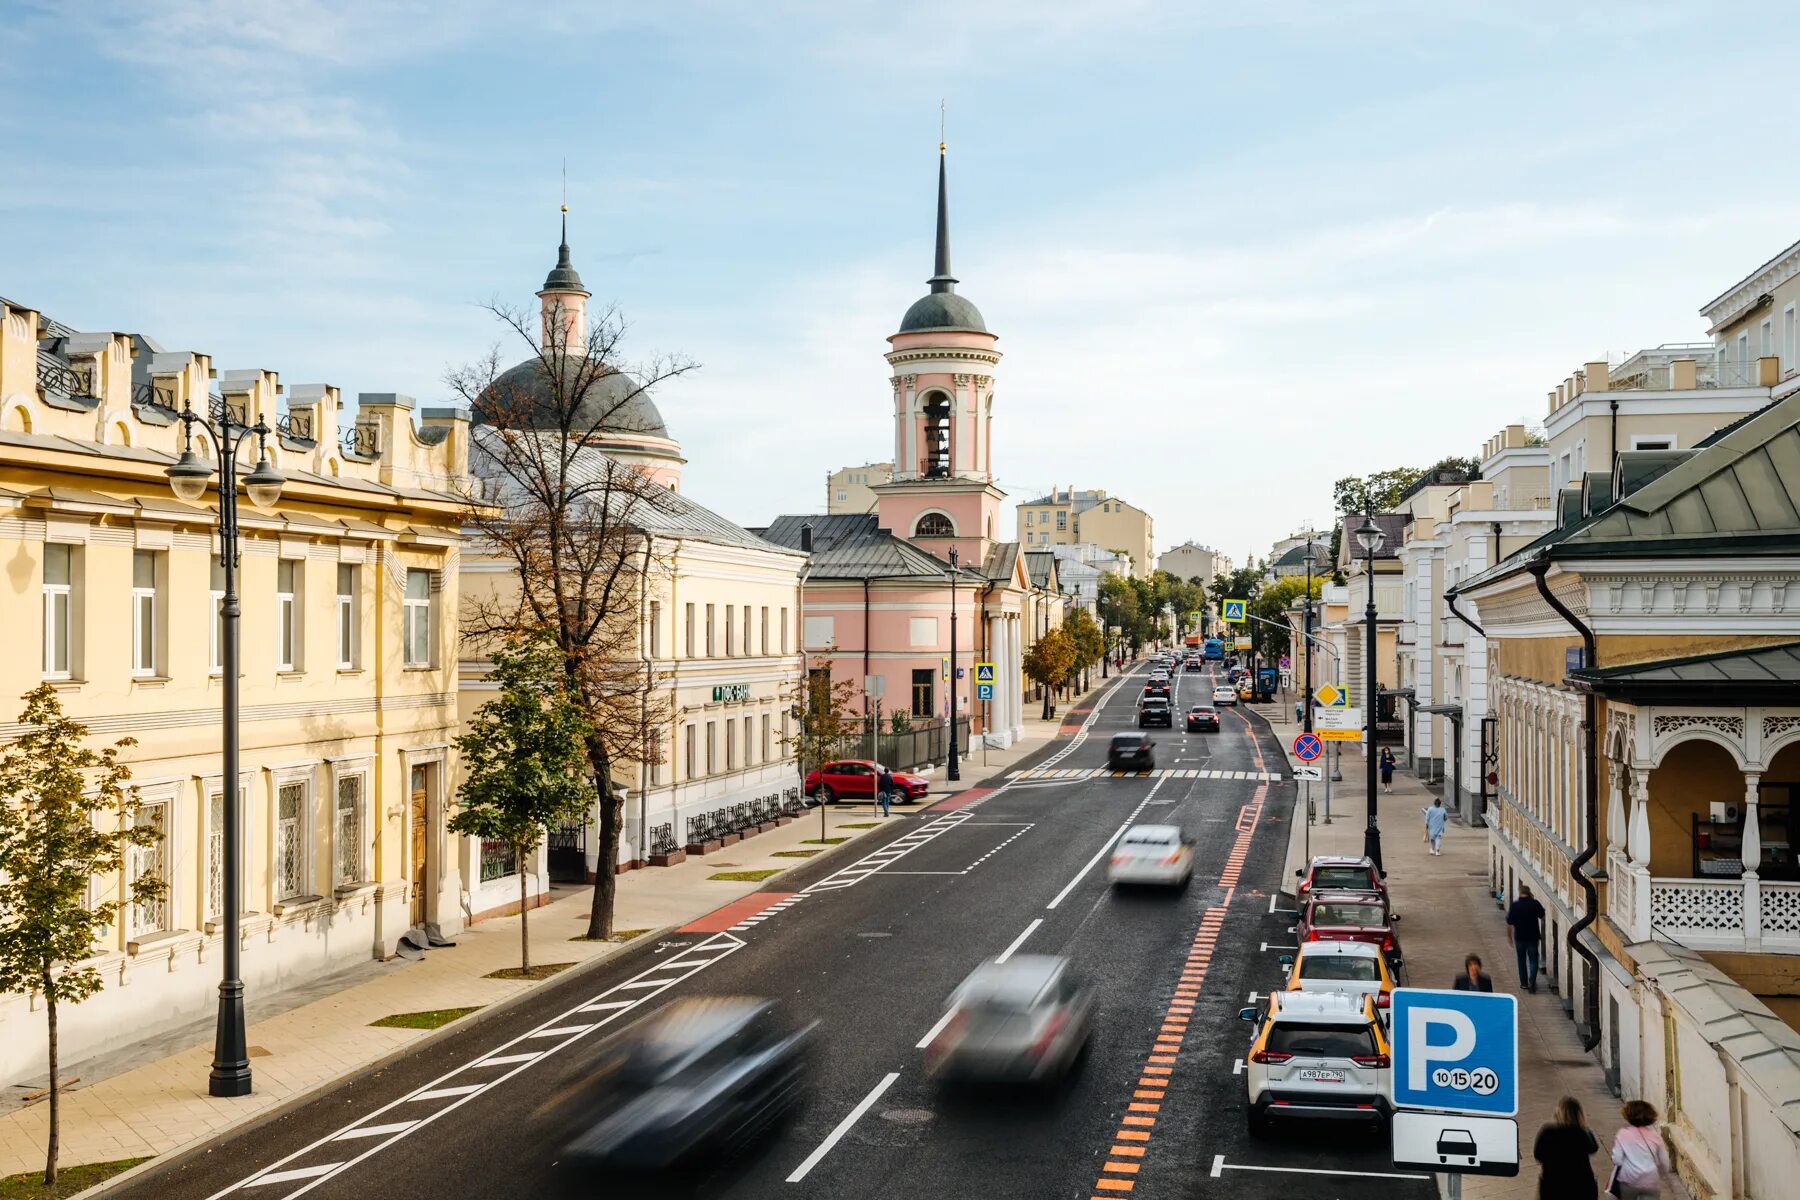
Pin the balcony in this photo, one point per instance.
(1687, 368)
(1706, 914)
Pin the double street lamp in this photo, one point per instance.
(1368, 536)
(189, 477)
(954, 771)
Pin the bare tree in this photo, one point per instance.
(577, 529)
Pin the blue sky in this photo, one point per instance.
(1232, 251)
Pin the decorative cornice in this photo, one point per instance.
(1735, 301)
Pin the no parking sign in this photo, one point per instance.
(1307, 747)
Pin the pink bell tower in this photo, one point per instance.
(943, 361)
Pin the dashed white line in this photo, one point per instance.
(363, 1131)
(844, 1126)
(936, 1029)
(1019, 941)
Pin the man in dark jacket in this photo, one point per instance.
(1473, 978)
(1525, 930)
(884, 787)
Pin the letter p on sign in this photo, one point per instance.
(1423, 1050)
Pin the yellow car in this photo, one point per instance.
(1354, 968)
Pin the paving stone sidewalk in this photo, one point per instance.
(1449, 911)
(152, 1101)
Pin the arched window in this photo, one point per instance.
(937, 437)
(934, 524)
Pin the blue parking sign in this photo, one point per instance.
(984, 691)
(1456, 1051)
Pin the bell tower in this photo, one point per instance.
(942, 361)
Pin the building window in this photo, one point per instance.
(347, 831)
(1787, 338)
(766, 751)
(690, 736)
(711, 645)
(287, 614)
(924, 680)
(765, 630)
(216, 639)
(842, 495)
(150, 862)
(747, 651)
(348, 619)
(59, 607)
(417, 618)
(1030, 518)
(1768, 338)
(654, 637)
(1743, 349)
(1062, 520)
(712, 746)
(749, 740)
(290, 840)
(731, 761)
(934, 525)
(215, 852)
(146, 646)
(690, 631)
(784, 631)
(730, 631)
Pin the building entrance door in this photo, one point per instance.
(418, 846)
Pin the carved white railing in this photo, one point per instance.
(1780, 915)
(1696, 911)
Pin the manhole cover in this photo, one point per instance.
(907, 1116)
(874, 935)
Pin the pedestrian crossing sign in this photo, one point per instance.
(1232, 611)
(984, 672)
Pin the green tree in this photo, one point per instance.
(1086, 640)
(65, 820)
(523, 759)
(1271, 604)
(1047, 662)
(829, 720)
(1385, 488)
(1119, 608)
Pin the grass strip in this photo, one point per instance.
(825, 841)
(795, 853)
(431, 1018)
(69, 1180)
(618, 937)
(745, 876)
(535, 971)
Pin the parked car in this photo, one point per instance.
(1025, 1020)
(1351, 917)
(1225, 695)
(1339, 872)
(703, 1075)
(1155, 710)
(854, 779)
(1155, 854)
(1354, 968)
(1319, 1055)
(1203, 718)
(1130, 752)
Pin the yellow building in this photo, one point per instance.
(852, 489)
(348, 587)
(1067, 516)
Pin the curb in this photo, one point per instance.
(176, 1155)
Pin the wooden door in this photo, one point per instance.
(418, 844)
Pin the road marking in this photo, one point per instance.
(297, 1173)
(561, 1030)
(1277, 946)
(1107, 845)
(609, 1005)
(1019, 941)
(1237, 1067)
(936, 1029)
(363, 1131)
(836, 1135)
(1219, 1165)
(467, 1089)
(506, 1060)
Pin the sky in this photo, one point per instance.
(1232, 252)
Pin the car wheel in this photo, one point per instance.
(824, 795)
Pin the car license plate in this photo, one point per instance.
(1317, 1075)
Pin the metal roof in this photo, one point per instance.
(1762, 674)
(854, 546)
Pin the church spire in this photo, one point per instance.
(563, 277)
(941, 279)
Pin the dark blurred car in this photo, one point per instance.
(1155, 710)
(1130, 752)
(700, 1076)
(1203, 718)
(1023, 1020)
(1194, 664)
(1157, 687)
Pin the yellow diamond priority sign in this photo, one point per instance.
(1331, 696)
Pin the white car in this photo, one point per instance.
(1353, 968)
(1320, 1056)
(1153, 854)
(1225, 695)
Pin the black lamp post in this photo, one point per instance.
(188, 478)
(1368, 536)
(954, 772)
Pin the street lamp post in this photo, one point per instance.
(1368, 536)
(189, 476)
(954, 772)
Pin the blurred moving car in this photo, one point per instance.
(1203, 718)
(1023, 1020)
(1318, 1055)
(854, 779)
(1225, 695)
(1354, 968)
(1130, 752)
(1351, 917)
(700, 1076)
(1339, 872)
(1155, 854)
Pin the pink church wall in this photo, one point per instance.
(890, 633)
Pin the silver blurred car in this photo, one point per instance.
(1024, 1020)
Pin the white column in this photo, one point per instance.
(1615, 805)
(1752, 854)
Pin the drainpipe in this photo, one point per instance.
(1612, 438)
(1450, 604)
(1539, 567)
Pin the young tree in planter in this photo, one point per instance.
(828, 717)
(1048, 662)
(65, 820)
(524, 759)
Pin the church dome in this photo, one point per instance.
(942, 310)
(524, 397)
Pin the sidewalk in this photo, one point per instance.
(152, 1101)
(1448, 913)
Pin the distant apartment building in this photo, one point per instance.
(1190, 560)
(852, 489)
(1068, 515)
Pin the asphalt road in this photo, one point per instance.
(878, 938)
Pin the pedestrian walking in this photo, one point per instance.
(1473, 978)
(1387, 769)
(884, 784)
(1525, 930)
(1640, 1159)
(1435, 819)
(1562, 1150)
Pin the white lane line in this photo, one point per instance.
(1019, 941)
(560, 1030)
(1237, 1066)
(1105, 846)
(296, 1173)
(467, 1089)
(935, 1030)
(363, 1131)
(505, 1060)
(1277, 946)
(1219, 1165)
(844, 1126)
(1273, 896)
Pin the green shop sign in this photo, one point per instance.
(731, 691)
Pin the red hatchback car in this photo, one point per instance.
(1351, 917)
(854, 779)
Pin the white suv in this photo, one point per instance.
(1318, 1055)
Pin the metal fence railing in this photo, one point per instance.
(919, 746)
